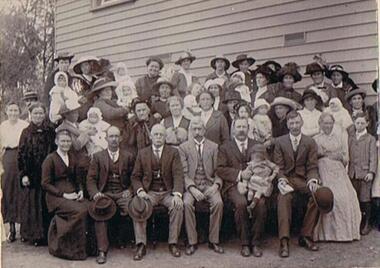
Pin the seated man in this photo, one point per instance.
(199, 160)
(109, 174)
(296, 156)
(158, 177)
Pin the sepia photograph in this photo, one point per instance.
(189, 133)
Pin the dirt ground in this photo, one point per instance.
(363, 253)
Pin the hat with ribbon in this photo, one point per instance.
(139, 209)
(102, 209)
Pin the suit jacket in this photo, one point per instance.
(112, 113)
(189, 157)
(306, 163)
(217, 129)
(363, 155)
(230, 162)
(97, 175)
(180, 83)
(171, 169)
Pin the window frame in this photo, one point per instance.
(95, 6)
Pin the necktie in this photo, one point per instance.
(295, 144)
(113, 156)
(199, 149)
(243, 148)
(157, 154)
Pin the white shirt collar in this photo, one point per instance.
(160, 149)
(239, 143)
(206, 115)
(360, 134)
(295, 137)
(176, 120)
(64, 156)
(321, 84)
(220, 75)
(340, 85)
(115, 154)
(216, 103)
(260, 91)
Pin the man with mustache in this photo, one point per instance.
(232, 168)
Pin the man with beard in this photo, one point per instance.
(232, 168)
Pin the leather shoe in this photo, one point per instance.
(11, 237)
(102, 258)
(216, 248)
(245, 251)
(284, 248)
(307, 243)
(257, 251)
(190, 249)
(140, 252)
(174, 250)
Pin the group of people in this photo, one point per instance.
(99, 144)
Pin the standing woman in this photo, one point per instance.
(220, 64)
(215, 86)
(264, 90)
(288, 76)
(184, 77)
(356, 100)
(144, 85)
(36, 142)
(10, 132)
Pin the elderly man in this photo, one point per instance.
(232, 168)
(199, 161)
(158, 177)
(296, 155)
(109, 175)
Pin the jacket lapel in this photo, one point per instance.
(106, 161)
(212, 121)
(289, 147)
(301, 148)
(235, 150)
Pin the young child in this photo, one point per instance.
(191, 107)
(362, 166)
(340, 114)
(99, 127)
(126, 92)
(263, 172)
(237, 83)
(262, 125)
(59, 94)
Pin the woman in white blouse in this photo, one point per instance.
(310, 113)
(10, 132)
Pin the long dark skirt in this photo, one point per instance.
(67, 232)
(35, 219)
(10, 185)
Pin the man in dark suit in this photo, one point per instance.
(109, 174)
(158, 177)
(296, 155)
(232, 168)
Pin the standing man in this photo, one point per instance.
(109, 178)
(199, 161)
(296, 156)
(63, 60)
(232, 168)
(158, 177)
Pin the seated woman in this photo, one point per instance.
(64, 198)
(343, 222)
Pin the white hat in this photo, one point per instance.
(217, 81)
(261, 102)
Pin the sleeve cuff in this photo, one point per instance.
(312, 180)
(238, 179)
(283, 180)
(177, 194)
(139, 190)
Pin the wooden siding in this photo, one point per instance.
(345, 31)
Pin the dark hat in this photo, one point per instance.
(102, 209)
(30, 95)
(290, 68)
(64, 56)
(140, 209)
(243, 104)
(185, 55)
(354, 92)
(265, 70)
(137, 100)
(285, 101)
(220, 57)
(232, 95)
(91, 59)
(276, 65)
(324, 199)
(311, 93)
(100, 84)
(242, 57)
(68, 106)
(161, 81)
(375, 84)
(156, 59)
(336, 68)
(314, 67)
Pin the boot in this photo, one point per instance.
(365, 227)
(12, 232)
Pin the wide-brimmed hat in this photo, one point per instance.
(276, 65)
(64, 56)
(231, 95)
(354, 92)
(290, 68)
(314, 67)
(217, 81)
(69, 106)
(260, 102)
(156, 59)
(185, 55)
(160, 81)
(100, 84)
(311, 93)
(242, 57)
(30, 95)
(233, 85)
(92, 59)
(285, 101)
(336, 68)
(140, 209)
(102, 209)
(324, 199)
(220, 57)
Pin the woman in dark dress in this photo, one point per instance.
(64, 198)
(36, 142)
(288, 76)
(144, 85)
